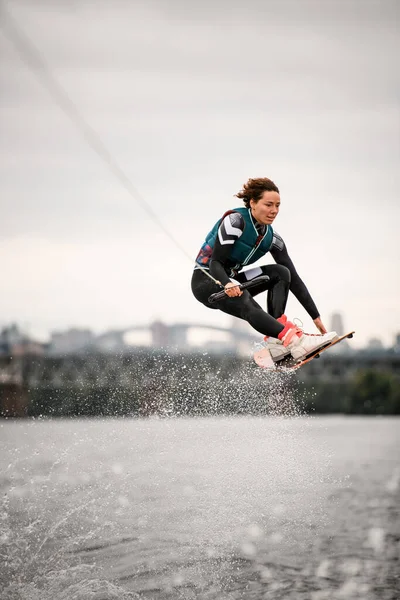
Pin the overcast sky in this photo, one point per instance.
(192, 99)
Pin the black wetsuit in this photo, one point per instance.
(283, 277)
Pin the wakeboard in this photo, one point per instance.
(263, 357)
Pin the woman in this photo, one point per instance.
(239, 238)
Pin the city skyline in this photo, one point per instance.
(305, 96)
(178, 335)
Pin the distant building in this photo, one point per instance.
(160, 334)
(396, 346)
(242, 346)
(375, 344)
(71, 341)
(337, 323)
(14, 342)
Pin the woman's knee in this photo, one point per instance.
(283, 273)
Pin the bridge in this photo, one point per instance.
(173, 336)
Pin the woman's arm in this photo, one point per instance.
(297, 286)
(230, 230)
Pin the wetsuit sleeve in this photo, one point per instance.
(230, 230)
(280, 255)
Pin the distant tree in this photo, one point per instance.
(324, 397)
(374, 392)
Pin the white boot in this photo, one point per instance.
(276, 348)
(302, 344)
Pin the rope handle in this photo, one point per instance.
(243, 286)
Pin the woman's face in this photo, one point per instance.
(266, 208)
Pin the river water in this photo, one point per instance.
(303, 508)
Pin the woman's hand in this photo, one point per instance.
(319, 325)
(232, 289)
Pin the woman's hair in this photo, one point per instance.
(254, 188)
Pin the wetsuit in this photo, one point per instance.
(216, 255)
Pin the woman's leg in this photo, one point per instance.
(244, 306)
(277, 286)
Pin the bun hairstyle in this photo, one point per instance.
(254, 189)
